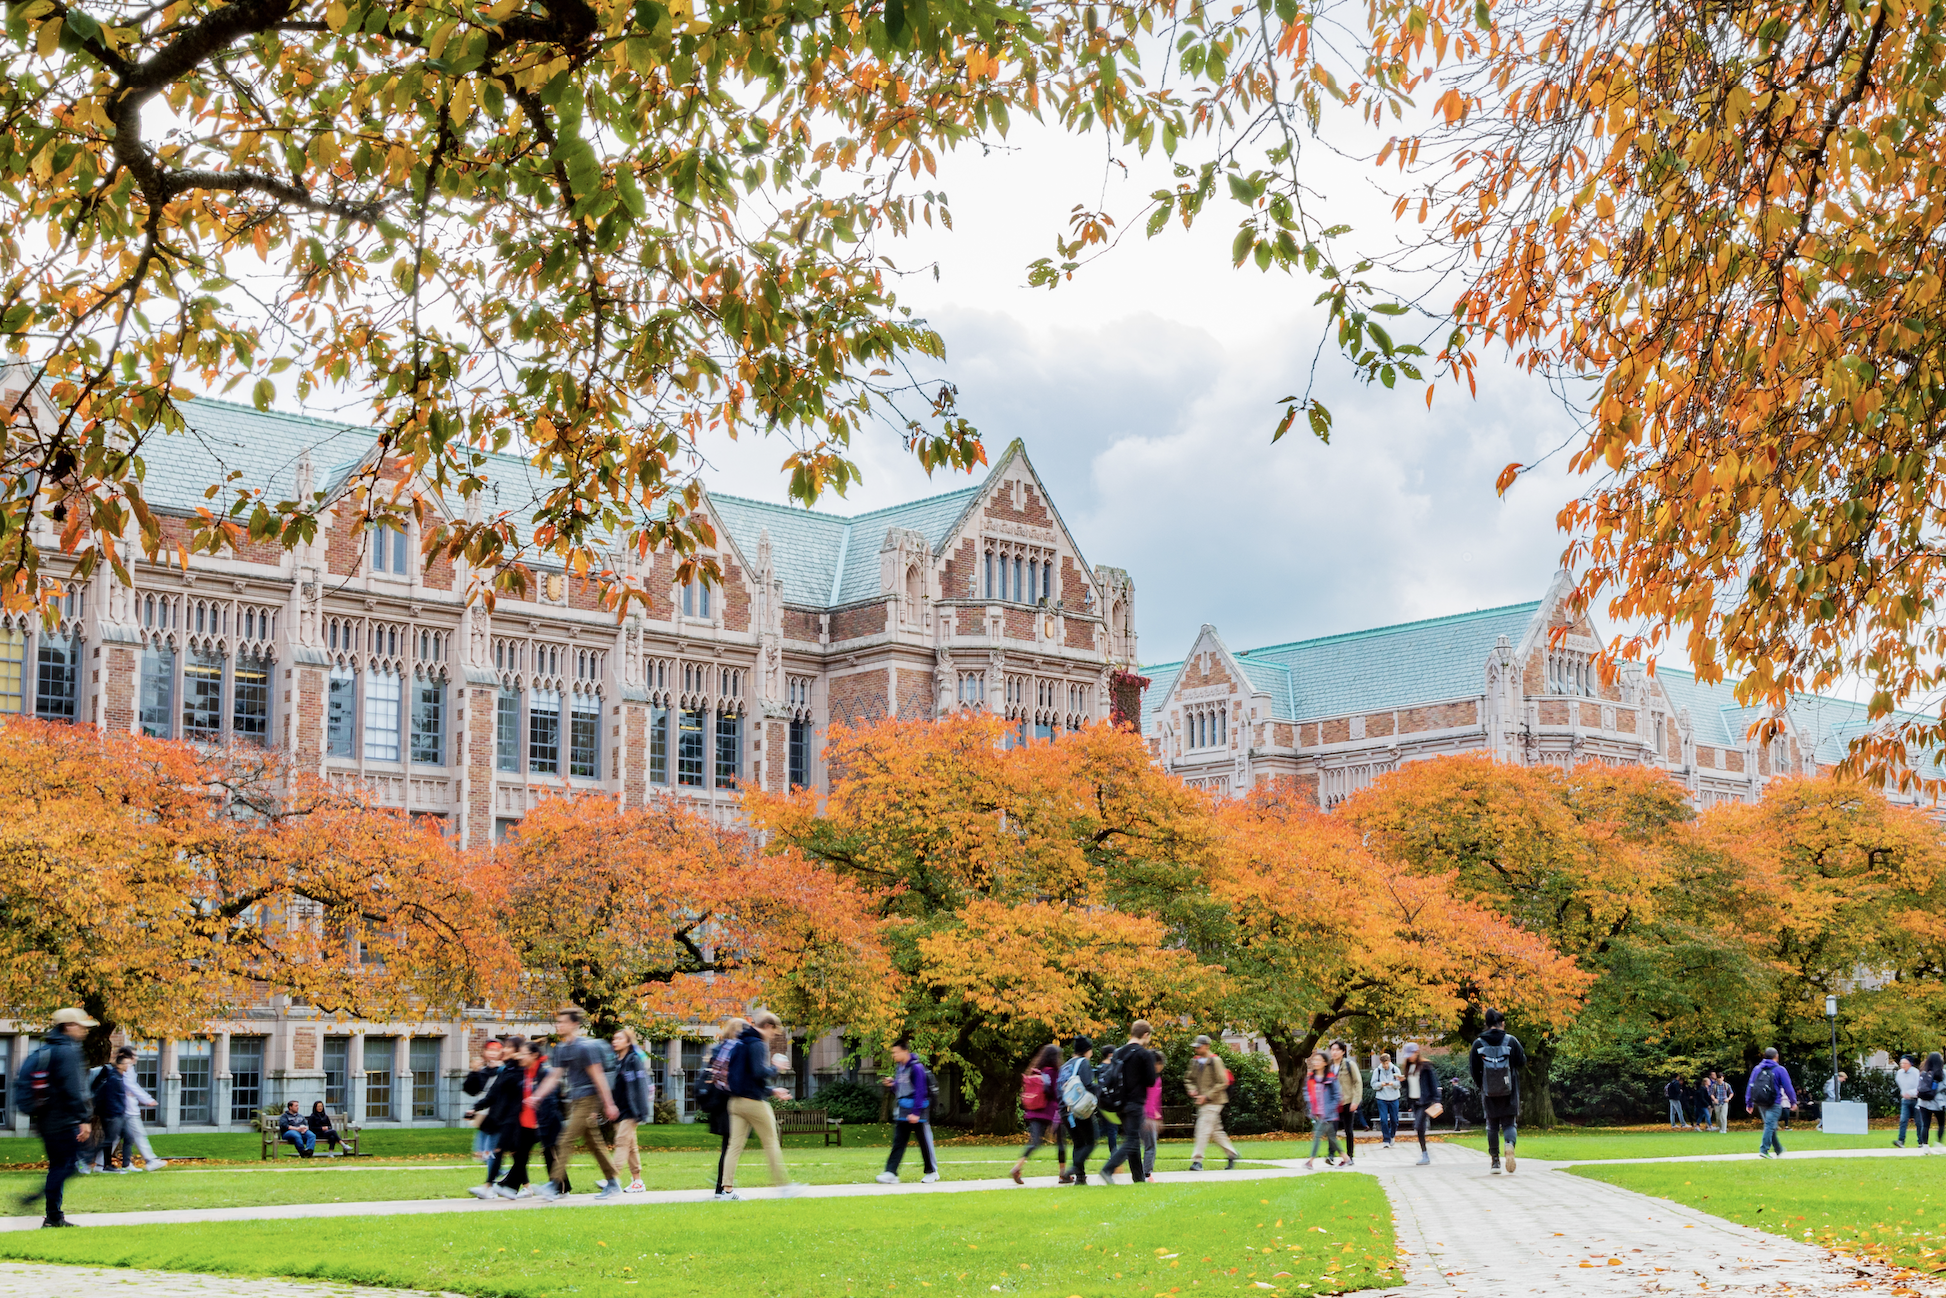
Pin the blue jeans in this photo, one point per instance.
(1908, 1112)
(1771, 1112)
(1388, 1119)
(304, 1141)
(1676, 1118)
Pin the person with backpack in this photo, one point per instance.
(52, 1089)
(1040, 1104)
(748, 1077)
(911, 1087)
(1208, 1083)
(1932, 1097)
(1351, 1094)
(1420, 1094)
(713, 1094)
(1080, 1099)
(1769, 1094)
(522, 1131)
(1495, 1063)
(1125, 1081)
(477, 1083)
(1321, 1102)
(1672, 1092)
(635, 1097)
(498, 1108)
(1152, 1115)
(581, 1073)
(110, 1094)
(1385, 1086)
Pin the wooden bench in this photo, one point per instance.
(811, 1122)
(1178, 1120)
(273, 1146)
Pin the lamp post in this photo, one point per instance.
(1831, 1013)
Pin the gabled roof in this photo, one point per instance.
(222, 437)
(1715, 716)
(831, 559)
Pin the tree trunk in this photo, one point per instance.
(1536, 1099)
(996, 1109)
(1290, 1055)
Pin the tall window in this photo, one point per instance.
(341, 712)
(148, 1074)
(544, 732)
(246, 1078)
(57, 685)
(423, 1055)
(695, 599)
(989, 576)
(1016, 579)
(250, 699)
(158, 693)
(506, 731)
(429, 723)
(388, 549)
(1033, 579)
(800, 754)
(658, 745)
(382, 689)
(337, 1062)
(193, 1062)
(584, 738)
(689, 748)
(13, 670)
(378, 1078)
(202, 697)
(729, 750)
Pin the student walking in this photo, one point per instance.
(1719, 1100)
(1208, 1083)
(1152, 1116)
(580, 1072)
(1421, 1095)
(523, 1129)
(1907, 1081)
(1321, 1102)
(1080, 1097)
(713, 1094)
(135, 1134)
(635, 1097)
(1130, 1072)
(749, 1074)
(1769, 1094)
(110, 1096)
(52, 1090)
(1495, 1063)
(911, 1087)
(476, 1084)
(1351, 1095)
(1385, 1086)
(1932, 1097)
(1040, 1104)
(1673, 1093)
(499, 1108)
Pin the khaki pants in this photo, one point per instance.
(1209, 1122)
(583, 1127)
(747, 1116)
(625, 1147)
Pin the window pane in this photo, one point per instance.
(398, 551)
(55, 688)
(382, 716)
(202, 697)
(1016, 581)
(658, 745)
(337, 1063)
(148, 1074)
(193, 1062)
(584, 739)
(506, 731)
(702, 602)
(380, 536)
(13, 680)
(544, 732)
(246, 1078)
(729, 750)
(689, 599)
(341, 712)
(423, 1054)
(429, 723)
(800, 754)
(689, 749)
(989, 576)
(378, 1078)
(159, 693)
(250, 705)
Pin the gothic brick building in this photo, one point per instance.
(1336, 712)
(356, 660)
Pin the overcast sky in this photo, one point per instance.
(1146, 392)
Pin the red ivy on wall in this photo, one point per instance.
(1125, 697)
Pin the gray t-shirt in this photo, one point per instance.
(574, 1058)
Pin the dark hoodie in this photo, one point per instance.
(68, 1102)
(1497, 1106)
(750, 1069)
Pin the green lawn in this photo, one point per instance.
(1572, 1145)
(1892, 1209)
(321, 1180)
(1325, 1234)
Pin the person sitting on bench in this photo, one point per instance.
(322, 1132)
(291, 1127)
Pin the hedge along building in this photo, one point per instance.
(353, 658)
(1519, 682)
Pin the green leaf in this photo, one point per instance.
(263, 394)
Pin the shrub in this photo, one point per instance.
(665, 1112)
(847, 1101)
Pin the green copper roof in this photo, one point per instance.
(830, 559)
(222, 437)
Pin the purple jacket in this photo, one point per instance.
(1785, 1094)
(912, 1089)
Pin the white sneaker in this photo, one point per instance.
(728, 1196)
(502, 1192)
(1425, 1160)
(526, 1192)
(158, 1164)
(634, 1187)
(887, 1178)
(609, 1190)
(480, 1191)
(548, 1192)
(1510, 1163)
(929, 1178)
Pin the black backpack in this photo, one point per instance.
(1763, 1086)
(1111, 1081)
(1496, 1069)
(34, 1081)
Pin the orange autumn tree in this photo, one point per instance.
(1838, 891)
(1029, 892)
(1599, 862)
(158, 885)
(1326, 939)
(656, 913)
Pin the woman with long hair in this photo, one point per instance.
(1040, 1103)
(529, 1070)
(1933, 1110)
(635, 1098)
(713, 1095)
